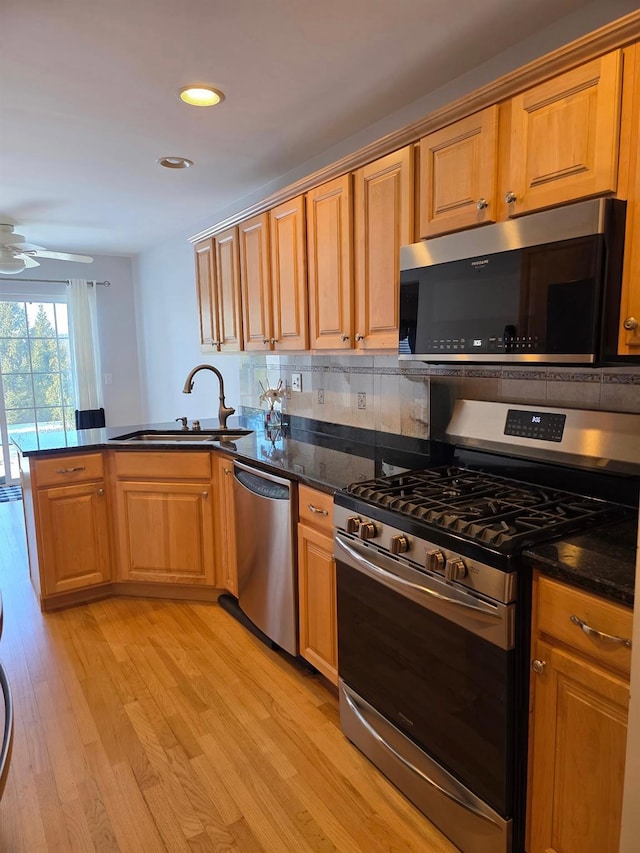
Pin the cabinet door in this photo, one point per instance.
(255, 278)
(458, 174)
(226, 564)
(579, 740)
(317, 601)
(329, 239)
(206, 288)
(629, 332)
(228, 298)
(565, 136)
(289, 275)
(166, 532)
(74, 537)
(383, 218)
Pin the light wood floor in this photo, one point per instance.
(161, 726)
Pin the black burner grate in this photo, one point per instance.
(498, 511)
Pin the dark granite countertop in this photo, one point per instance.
(602, 560)
(327, 457)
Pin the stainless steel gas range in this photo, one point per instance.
(434, 601)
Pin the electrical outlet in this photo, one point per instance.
(296, 382)
(362, 400)
(321, 396)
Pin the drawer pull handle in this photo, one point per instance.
(318, 511)
(599, 635)
(71, 470)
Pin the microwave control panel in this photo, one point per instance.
(544, 426)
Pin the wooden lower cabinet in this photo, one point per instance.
(74, 537)
(580, 696)
(227, 570)
(317, 583)
(165, 524)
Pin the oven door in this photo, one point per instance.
(437, 662)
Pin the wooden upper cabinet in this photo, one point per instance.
(289, 275)
(330, 272)
(228, 300)
(218, 287)
(565, 137)
(383, 221)
(458, 174)
(255, 277)
(629, 333)
(206, 287)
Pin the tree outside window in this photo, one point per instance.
(35, 364)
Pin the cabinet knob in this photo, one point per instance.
(215, 343)
(482, 204)
(539, 666)
(359, 337)
(510, 197)
(204, 494)
(630, 324)
(344, 337)
(274, 340)
(100, 492)
(227, 471)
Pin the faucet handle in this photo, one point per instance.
(195, 426)
(184, 422)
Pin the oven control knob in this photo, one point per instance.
(353, 524)
(435, 561)
(399, 544)
(367, 530)
(455, 569)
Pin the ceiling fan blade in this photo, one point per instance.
(25, 247)
(29, 262)
(63, 256)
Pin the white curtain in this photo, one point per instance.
(83, 334)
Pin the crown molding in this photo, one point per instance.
(617, 34)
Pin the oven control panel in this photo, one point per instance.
(544, 426)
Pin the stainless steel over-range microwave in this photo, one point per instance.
(544, 288)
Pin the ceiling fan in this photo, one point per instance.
(16, 254)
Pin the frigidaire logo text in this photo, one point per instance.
(481, 263)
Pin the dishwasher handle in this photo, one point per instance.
(262, 483)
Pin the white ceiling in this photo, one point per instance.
(88, 99)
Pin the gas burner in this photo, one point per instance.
(500, 512)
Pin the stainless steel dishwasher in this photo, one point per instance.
(265, 525)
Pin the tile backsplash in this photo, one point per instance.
(379, 392)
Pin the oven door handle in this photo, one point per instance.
(464, 803)
(479, 608)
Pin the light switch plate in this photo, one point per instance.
(296, 382)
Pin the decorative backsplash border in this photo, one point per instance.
(381, 393)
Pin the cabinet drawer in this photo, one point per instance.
(558, 603)
(157, 465)
(60, 470)
(316, 509)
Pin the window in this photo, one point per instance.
(36, 381)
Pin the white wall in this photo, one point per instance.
(116, 327)
(168, 338)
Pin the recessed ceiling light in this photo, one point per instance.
(201, 96)
(175, 162)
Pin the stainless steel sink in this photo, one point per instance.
(178, 436)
